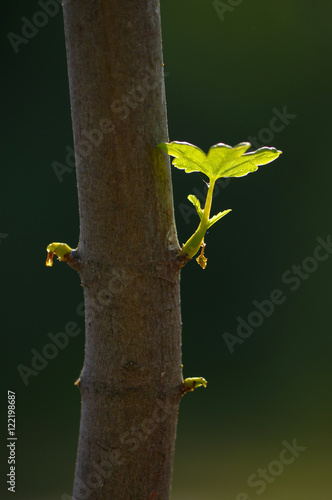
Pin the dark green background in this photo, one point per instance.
(225, 79)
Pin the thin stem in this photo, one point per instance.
(208, 203)
(192, 246)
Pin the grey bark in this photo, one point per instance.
(131, 378)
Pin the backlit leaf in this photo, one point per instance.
(222, 160)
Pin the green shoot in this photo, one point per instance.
(61, 250)
(192, 383)
(221, 161)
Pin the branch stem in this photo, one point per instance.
(131, 379)
(192, 246)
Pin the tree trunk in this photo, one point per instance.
(131, 379)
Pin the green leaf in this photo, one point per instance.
(192, 383)
(225, 161)
(222, 160)
(196, 204)
(187, 156)
(61, 250)
(215, 218)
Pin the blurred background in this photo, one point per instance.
(254, 71)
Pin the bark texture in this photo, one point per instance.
(131, 379)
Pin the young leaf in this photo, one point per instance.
(188, 157)
(189, 384)
(196, 204)
(215, 218)
(225, 161)
(222, 160)
(61, 250)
